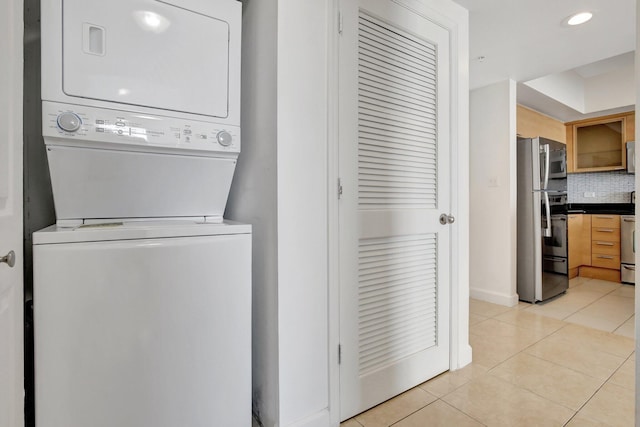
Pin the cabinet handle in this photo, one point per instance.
(605, 230)
(604, 256)
(604, 216)
(604, 243)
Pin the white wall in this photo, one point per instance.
(567, 87)
(280, 187)
(606, 91)
(253, 197)
(493, 182)
(302, 212)
(610, 90)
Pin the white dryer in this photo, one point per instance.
(143, 324)
(140, 107)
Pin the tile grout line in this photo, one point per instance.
(431, 403)
(556, 364)
(567, 323)
(460, 410)
(564, 319)
(416, 411)
(488, 372)
(599, 388)
(614, 331)
(575, 412)
(610, 376)
(591, 303)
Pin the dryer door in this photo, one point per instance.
(130, 52)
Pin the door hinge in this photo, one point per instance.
(339, 188)
(340, 22)
(339, 354)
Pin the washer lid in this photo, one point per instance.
(136, 230)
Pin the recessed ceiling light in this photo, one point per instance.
(579, 18)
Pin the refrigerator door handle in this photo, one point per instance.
(547, 231)
(547, 158)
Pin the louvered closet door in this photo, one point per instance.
(394, 168)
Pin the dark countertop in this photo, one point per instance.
(602, 208)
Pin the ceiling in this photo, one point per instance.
(524, 40)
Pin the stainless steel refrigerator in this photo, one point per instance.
(542, 221)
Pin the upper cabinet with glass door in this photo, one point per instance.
(599, 144)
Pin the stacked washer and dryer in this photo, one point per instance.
(142, 291)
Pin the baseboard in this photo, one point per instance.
(573, 272)
(319, 419)
(494, 297)
(600, 273)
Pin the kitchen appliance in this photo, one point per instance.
(139, 120)
(542, 223)
(628, 248)
(631, 157)
(557, 162)
(143, 324)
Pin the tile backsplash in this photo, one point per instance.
(609, 187)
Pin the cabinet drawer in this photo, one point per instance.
(605, 261)
(606, 234)
(605, 248)
(605, 221)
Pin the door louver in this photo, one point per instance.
(397, 295)
(396, 118)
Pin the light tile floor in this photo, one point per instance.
(568, 362)
(595, 303)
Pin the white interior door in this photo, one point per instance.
(394, 169)
(11, 299)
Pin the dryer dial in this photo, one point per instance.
(69, 122)
(224, 138)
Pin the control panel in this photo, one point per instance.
(132, 129)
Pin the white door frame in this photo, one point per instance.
(11, 206)
(454, 19)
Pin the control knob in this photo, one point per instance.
(224, 138)
(69, 122)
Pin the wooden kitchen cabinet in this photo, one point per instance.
(605, 241)
(579, 240)
(530, 123)
(598, 144)
(605, 248)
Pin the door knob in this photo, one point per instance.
(9, 259)
(447, 219)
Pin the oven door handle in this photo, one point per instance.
(555, 259)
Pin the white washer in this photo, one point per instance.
(143, 324)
